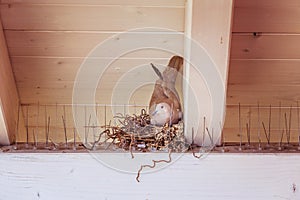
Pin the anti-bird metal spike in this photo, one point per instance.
(156, 70)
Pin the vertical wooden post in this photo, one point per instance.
(209, 27)
(9, 99)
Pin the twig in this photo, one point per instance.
(282, 132)
(192, 146)
(223, 137)
(85, 126)
(240, 126)
(37, 121)
(48, 130)
(88, 129)
(248, 133)
(98, 140)
(34, 139)
(17, 125)
(270, 117)
(258, 127)
(46, 126)
(65, 127)
(54, 144)
(204, 128)
(110, 143)
(249, 127)
(222, 133)
(286, 127)
(265, 131)
(74, 143)
(279, 118)
(298, 120)
(290, 124)
(105, 119)
(27, 131)
(130, 146)
(210, 137)
(193, 142)
(56, 121)
(153, 166)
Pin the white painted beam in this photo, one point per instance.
(209, 26)
(217, 176)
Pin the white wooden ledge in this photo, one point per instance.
(218, 176)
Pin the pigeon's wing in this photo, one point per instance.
(158, 94)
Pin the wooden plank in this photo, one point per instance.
(48, 74)
(267, 16)
(31, 70)
(216, 42)
(69, 44)
(265, 46)
(266, 176)
(266, 3)
(9, 99)
(212, 30)
(266, 81)
(143, 3)
(62, 44)
(262, 73)
(62, 95)
(264, 94)
(91, 18)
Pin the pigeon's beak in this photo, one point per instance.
(154, 113)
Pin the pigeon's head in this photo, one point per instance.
(160, 114)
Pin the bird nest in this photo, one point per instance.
(135, 133)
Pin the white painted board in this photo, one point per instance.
(217, 176)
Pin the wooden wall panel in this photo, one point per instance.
(266, 81)
(264, 72)
(267, 16)
(40, 75)
(90, 18)
(265, 46)
(231, 131)
(144, 3)
(265, 62)
(67, 44)
(39, 72)
(248, 94)
(53, 43)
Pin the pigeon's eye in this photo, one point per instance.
(161, 107)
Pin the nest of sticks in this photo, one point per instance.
(135, 133)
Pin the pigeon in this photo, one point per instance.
(165, 106)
